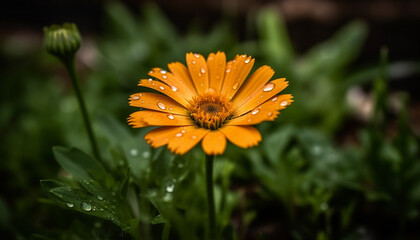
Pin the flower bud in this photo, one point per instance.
(62, 41)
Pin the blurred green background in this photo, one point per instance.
(342, 162)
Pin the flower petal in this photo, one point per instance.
(198, 70)
(242, 136)
(182, 142)
(158, 102)
(236, 72)
(216, 64)
(160, 136)
(165, 89)
(257, 80)
(268, 111)
(180, 71)
(261, 95)
(146, 118)
(214, 143)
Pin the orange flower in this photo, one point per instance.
(209, 101)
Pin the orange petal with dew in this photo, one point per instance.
(146, 118)
(165, 89)
(254, 83)
(158, 102)
(161, 136)
(236, 72)
(216, 64)
(268, 111)
(263, 94)
(198, 70)
(242, 136)
(214, 143)
(180, 71)
(183, 141)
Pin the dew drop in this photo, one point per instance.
(161, 87)
(255, 111)
(247, 60)
(133, 152)
(196, 55)
(183, 131)
(270, 114)
(70, 205)
(179, 134)
(170, 116)
(274, 99)
(86, 206)
(99, 197)
(203, 70)
(228, 70)
(167, 197)
(174, 88)
(170, 187)
(163, 71)
(268, 87)
(151, 71)
(146, 154)
(235, 86)
(283, 103)
(193, 62)
(161, 105)
(194, 137)
(150, 80)
(135, 97)
(164, 76)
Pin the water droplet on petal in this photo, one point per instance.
(100, 197)
(164, 76)
(196, 55)
(178, 134)
(270, 114)
(70, 205)
(174, 88)
(161, 87)
(235, 86)
(194, 137)
(150, 80)
(283, 103)
(193, 62)
(86, 206)
(170, 116)
(136, 98)
(228, 70)
(247, 60)
(163, 71)
(274, 99)
(151, 71)
(183, 131)
(203, 70)
(161, 105)
(255, 111)
(268, 87)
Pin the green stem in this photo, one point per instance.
(71, 68)
(210, 194)
(166, 231)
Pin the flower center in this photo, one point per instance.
(210, 110)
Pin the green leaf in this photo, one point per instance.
(158, 220)
(275, 41)
(79, 164)
(275, 144)
(334, 53)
